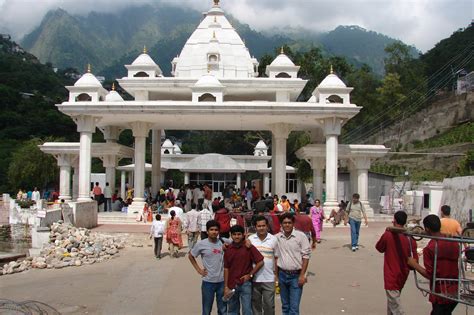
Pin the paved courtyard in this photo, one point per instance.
(340, 282)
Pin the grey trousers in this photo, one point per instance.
(263, 298)
(394, 307)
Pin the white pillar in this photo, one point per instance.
(155, 161)
(86, 127)
(362, 165)
(280, 134)
(123, 193)
(332, 129)
(317, 165)
(110, 162)
(353, 180)
(186, 178)
(266, 183)
(64, 163)
(140, 133)
(111, 133)
(75, 179)
(239, 181)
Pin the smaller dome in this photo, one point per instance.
(144, 60)
(88, 79)
(208, 80)
(282, 60)
(261, 145)
(177, 149)
(332, 81)
(167, 144)
(113, 96)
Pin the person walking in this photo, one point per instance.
(238, 272)
(264, 282)
(440, 259)
(108, 198)
(35, 195)
(157, 231)
(303, 223)
(205, 215)
(192, 226)
(173, 234)
(211, 252)
(449, 226)
(396, 250)
(293, 253)
(355, 212)
(317, 216)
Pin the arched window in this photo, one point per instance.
(335, 99)
(283, 75)
(213, 58)
(166, 151)
(83, 97)
(141, 74)
(207, 97)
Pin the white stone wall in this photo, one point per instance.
(458, 193)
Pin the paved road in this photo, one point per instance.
(340, 282)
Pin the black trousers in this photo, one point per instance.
(158, 244)
(443, 309)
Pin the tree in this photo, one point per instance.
(30, 167)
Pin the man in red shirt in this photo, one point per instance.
(238, 272)
(446, 267)
(304, 224)
(396, 249)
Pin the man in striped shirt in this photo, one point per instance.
(205, 215)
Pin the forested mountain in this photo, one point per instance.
(108, 40)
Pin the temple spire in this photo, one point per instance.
(144, 49)
(282, 50)
(113, 86)
(216, 2)
(89, 68)
(331, 71)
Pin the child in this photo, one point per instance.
(157, 231)
(238, 272)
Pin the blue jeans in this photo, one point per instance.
(290, 293)
(208, 291)
(243, 295)
(355, 228)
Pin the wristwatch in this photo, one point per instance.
(251, 275)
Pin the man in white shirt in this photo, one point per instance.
(157, 232)
(263, 288)
(192, 226)
(205, 215)
(177, 209)
(35, 195)
(108, 198)
(189, 198)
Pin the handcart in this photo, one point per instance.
(465, 285)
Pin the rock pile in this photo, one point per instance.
(69, 246)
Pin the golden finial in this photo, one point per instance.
(144, 49)
(113, 86)
(282, 50)
(331, 71)
(208, 68)
(89, 68)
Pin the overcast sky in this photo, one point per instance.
(417, 22)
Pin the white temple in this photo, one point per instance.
(214, 87)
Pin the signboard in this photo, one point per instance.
(41, 214)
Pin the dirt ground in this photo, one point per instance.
(339, 282)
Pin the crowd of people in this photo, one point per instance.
(35, 195)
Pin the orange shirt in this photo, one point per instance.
(285, 205)
(97, 191)
(450, 227)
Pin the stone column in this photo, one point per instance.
(280, 134)
(140, 132)
(332, 130)
(111, 133)
(86, 126)
(75, 178)
(317, 165)
(266, 183)
(64, 163)
(110, 162)
(155, 161)
(186, 178)
(123, 179)
(362, 165)
(238, 182)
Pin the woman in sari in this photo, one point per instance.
(173, 234)
(317, 216)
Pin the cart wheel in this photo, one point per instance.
(417, 229)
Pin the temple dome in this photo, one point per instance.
(113, 96)
(143, 60)
(332, 81)
(208, 80)
(167, 144)
(261, 145)
(89, 80)
(282, 60)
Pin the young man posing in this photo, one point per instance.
(212, 272)
(293, 252)
(157, 231)
(396, 249)
(446, 266)
(238, 272)
(263, 289)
